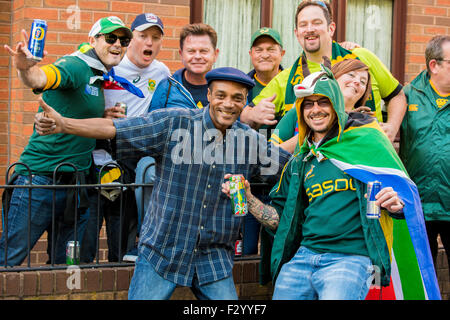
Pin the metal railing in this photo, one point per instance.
(77, 186)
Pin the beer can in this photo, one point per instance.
(36, 42)
(373, 211)
(238, 197)
(238, 248)
(72, 253)
(122, 105)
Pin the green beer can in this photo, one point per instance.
(238, 197)
(73, 253)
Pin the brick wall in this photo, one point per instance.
(425, 19)
(113, 283)
(69, 22)
(110, 284)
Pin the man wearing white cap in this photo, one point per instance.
(74, 86)
(140, 67)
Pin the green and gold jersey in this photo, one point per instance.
(441, 100)
(332, 218)
(384, 85)
(71, 92)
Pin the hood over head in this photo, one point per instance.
(320, 83)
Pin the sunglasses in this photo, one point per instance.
(111, 38)
(323, 103)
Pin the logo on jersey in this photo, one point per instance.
(151, 85)
(413, 107)
(441, 102)
(137, 79)
(309, 173)
(91, 90)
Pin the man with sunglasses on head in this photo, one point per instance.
(74, 85)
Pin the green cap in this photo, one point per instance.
(274, 34)
(108, 25)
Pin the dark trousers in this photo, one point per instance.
(442, 228)
(121, 229)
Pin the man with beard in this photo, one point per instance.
(314, 30)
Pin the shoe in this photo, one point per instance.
(131, 256)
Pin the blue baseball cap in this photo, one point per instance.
(145, 21)
(230, 74)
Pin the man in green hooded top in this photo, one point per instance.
(324, 246)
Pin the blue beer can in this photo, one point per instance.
(373, 211)
(36, 42)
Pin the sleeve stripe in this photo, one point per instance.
(394, 93)
(53, 77)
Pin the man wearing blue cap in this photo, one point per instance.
(188, 235)
(140, 67)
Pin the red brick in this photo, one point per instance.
(433, 11)
(58, 3)
(122, 279)
(41, 13)
(435, 30)
(30, 284)
(249, 272)
(129, 7)
(61, 282)
(443, 2)
(94, 5)
(107, 279)
(441, 21)
(93, 280)
(12, 284)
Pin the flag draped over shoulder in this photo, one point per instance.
(364, 152)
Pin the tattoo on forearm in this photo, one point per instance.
(265, 214)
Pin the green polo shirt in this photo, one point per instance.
(332, 218)
(70, 93)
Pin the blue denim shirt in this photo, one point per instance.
(189, 227)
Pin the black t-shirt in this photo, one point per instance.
(198, 92)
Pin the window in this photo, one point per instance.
(283, 20)
(369, 23)
(234, 21)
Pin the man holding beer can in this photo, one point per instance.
(74, 86)
(325, 246)
(189, 232)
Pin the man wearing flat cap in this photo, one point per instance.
(188, 234)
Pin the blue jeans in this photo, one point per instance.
(144, 175)
(325, 276)
(147, 284)
(40, 220)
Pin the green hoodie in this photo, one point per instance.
(425, 147)
(289, 197)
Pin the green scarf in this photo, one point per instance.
(300, 70)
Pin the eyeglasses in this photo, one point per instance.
(446, 60)
(323, 102)
(111, 38)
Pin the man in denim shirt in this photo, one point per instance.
(188, 236)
